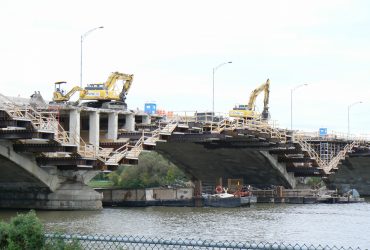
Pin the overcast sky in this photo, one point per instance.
(172, 46)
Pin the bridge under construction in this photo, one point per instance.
(49, 153)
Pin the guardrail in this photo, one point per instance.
(142, 242)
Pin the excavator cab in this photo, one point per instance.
(95, 86)
(59, 91)
(58, 87)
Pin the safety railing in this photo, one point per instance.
(76, 241)
(151, 140)
(46, 121)
(112, 157)
(260, 127)
(221, 126)
(227, 123)
(333, 135)
(136, 150)
(86, 150)
(26, 112)
(305, 146)
(333, 164)
(169, 127)
(166, 130)
(327, 167)
(185, 117)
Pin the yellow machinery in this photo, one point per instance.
(108, 94)
(248, 111)
(59, 94)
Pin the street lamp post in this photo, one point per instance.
(348, 108)
(82, 39)
(291, 103)
(213, 85)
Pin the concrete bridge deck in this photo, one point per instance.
(48, 155)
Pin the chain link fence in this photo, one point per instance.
(74, 242)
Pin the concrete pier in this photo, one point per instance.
(130, 123)
(74, 126)
(25, 184)
(94, 128)
(112, 126)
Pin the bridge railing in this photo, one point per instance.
(309, 136)
(142, 242)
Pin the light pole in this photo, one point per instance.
(82, 39)
(291, 103)
(213, 85)
(349, 106)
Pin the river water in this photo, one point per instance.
(338, 225)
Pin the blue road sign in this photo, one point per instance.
(323, 131)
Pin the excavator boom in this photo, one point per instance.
(116, 76)
(59, 96)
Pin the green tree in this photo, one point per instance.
(25, 231)
(4, 235)
(153, 170)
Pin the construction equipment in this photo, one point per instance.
(108, 94)
(59, 95)
(248, 111)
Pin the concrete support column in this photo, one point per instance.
(94, 128)
(112, 126)
(146, 119)
(130, 122)
(197, 188)
(74, 126)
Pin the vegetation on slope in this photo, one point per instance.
(153, 170)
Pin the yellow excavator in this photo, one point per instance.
(60, 96)
(108, 94)
(248, 111)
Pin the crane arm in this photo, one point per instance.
(72, 91)
(114, 77)
(266, 98)
(128, 83)
(253, 96)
